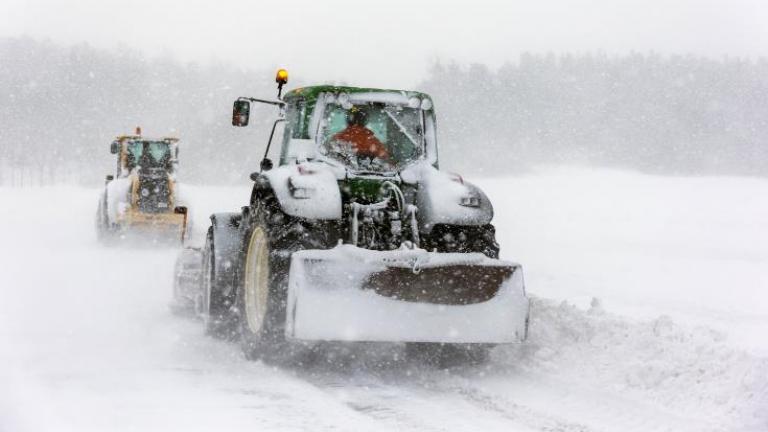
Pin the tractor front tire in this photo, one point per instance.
(271, 236)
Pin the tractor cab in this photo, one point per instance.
(364, 130)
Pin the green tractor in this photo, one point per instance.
(356, 235)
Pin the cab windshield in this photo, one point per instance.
(372, 136)
(148, 154)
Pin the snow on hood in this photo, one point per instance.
(440, 196)
(321, 197)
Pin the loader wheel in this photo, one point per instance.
(107, 234)
(212, 305)
(104, 232)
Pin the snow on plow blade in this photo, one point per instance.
(353, 294)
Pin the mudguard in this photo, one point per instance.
(226, 248)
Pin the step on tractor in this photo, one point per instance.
(141, 198)
(356, 236)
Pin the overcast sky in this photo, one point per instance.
(391, 43)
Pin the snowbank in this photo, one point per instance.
(692, 248)
(678, 369)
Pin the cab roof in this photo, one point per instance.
(139, 137)
(311, 93)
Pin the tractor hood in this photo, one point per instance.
(312, 190)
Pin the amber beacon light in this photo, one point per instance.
(281, 78)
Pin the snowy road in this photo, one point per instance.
(674, 343)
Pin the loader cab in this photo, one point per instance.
(146, 170)
(327, 123)
(153, 157)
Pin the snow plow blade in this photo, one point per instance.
(353, 294)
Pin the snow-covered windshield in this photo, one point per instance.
(148, 154)
(372, 136)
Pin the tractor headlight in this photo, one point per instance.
(470, 201)
(300, 191)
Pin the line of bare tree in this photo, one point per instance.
(61, 106)
(660, 114)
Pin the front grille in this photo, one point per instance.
(154, 195)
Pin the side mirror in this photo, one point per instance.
(110, 177)
(266, 164)
(241, 111)
(114, 148)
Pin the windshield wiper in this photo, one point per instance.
(402, 129)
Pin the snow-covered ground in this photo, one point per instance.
(649, 314)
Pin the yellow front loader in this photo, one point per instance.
(142, 197)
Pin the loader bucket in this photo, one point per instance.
(352, 294)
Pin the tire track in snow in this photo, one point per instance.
(549, 405)
(395, 407)
(410, 396)
(521, 413)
